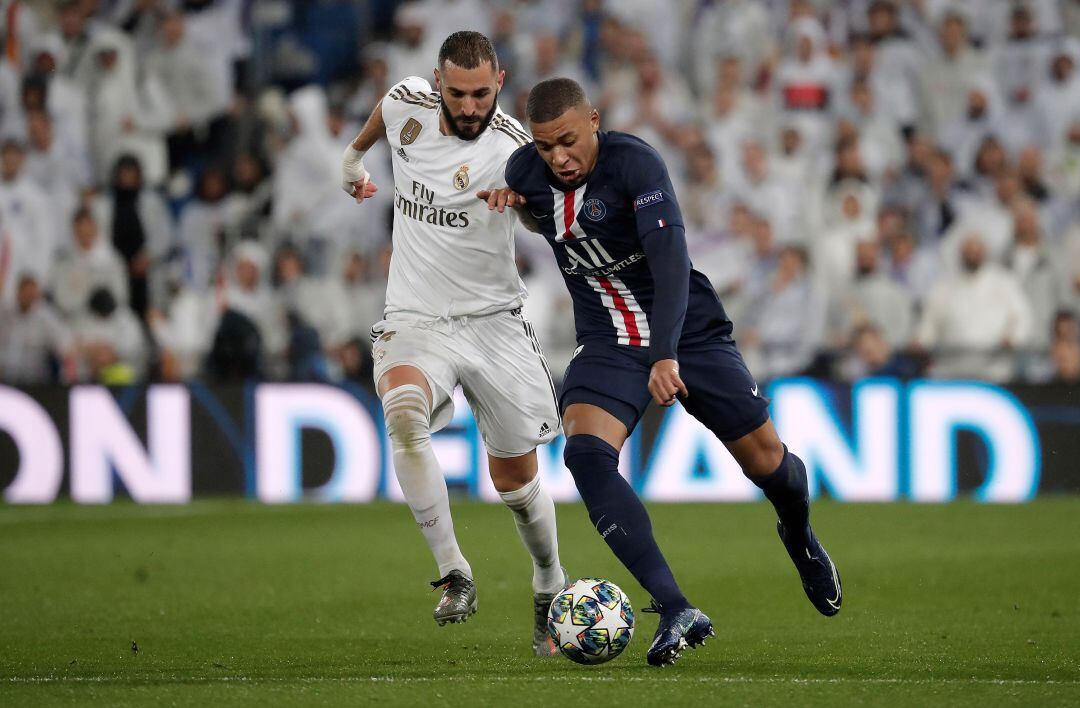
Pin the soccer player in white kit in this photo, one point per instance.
(453, 313)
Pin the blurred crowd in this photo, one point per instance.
(874, 187)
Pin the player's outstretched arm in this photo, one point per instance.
(500, 198)
(355, 179)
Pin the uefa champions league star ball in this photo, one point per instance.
(591, 621)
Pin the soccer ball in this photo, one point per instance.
(591, 621)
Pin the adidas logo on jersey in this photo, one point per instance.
(402, 155)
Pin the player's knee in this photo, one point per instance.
(407, 416)
(592, 462)
(588, 453)
(509, 474)
(762, 459)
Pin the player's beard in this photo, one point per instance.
(482, 124)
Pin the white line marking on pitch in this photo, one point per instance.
(536, 679)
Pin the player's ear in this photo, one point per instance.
(594, 120)
(438, 81)
(501, 77)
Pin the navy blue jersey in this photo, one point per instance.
(600, 232)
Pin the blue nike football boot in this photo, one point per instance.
(819, 577)
(689, 627)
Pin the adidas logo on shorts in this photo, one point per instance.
(545, 429)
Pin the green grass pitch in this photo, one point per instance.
(230, 602)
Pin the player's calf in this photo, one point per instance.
(787, 489)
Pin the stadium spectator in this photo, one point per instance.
(946, 76)
(704, 201)
(1030, 260)
(58, 168)
(85, 265)
(784, 322)
(1070, 281)
(35, 343)
(657, 107)
(76, 59)
(730, 115)
(979, 122)
(899, 54)
(187, 80)
(139, 224)
(889, 82)
(878, 137)
(1058, 98)
(248, 204)
(409, 53)
(1065, 349)
(202, 227)
(991, 215)
(848, 221)
(26, 215)
(306, 198)
(870, 354)
(215, 31)
(736, 30)
(130, 111)
(317, 302)
(247, 293)
(109, 340)
(806, 80)
(184, 331)
(913, 266)
(768, 194)
(973, 320)
(871, 298)
(62, 97)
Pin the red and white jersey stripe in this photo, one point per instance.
(631, 325)
(567, 207)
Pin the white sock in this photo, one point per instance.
(408, 421)
(534, 513)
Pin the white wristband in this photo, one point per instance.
(352, 169)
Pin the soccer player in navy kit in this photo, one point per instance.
(650, 329)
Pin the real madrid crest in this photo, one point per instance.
(410, 131)
(461, 178)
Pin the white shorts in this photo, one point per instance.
(498, 363)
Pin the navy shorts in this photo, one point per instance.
(723, 394)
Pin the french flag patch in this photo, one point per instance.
(661, 223)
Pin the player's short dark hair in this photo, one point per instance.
(551, 98)
(468, 50)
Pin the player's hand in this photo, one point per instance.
(664, 382)
(355, 179)
(499, 199)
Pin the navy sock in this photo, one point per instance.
(620, 517)
(787, 490)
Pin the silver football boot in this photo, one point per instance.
(542, 643)
(458, 601)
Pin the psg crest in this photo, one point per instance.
(594, 209)
(461, 178)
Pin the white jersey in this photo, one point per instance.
(452, 255)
